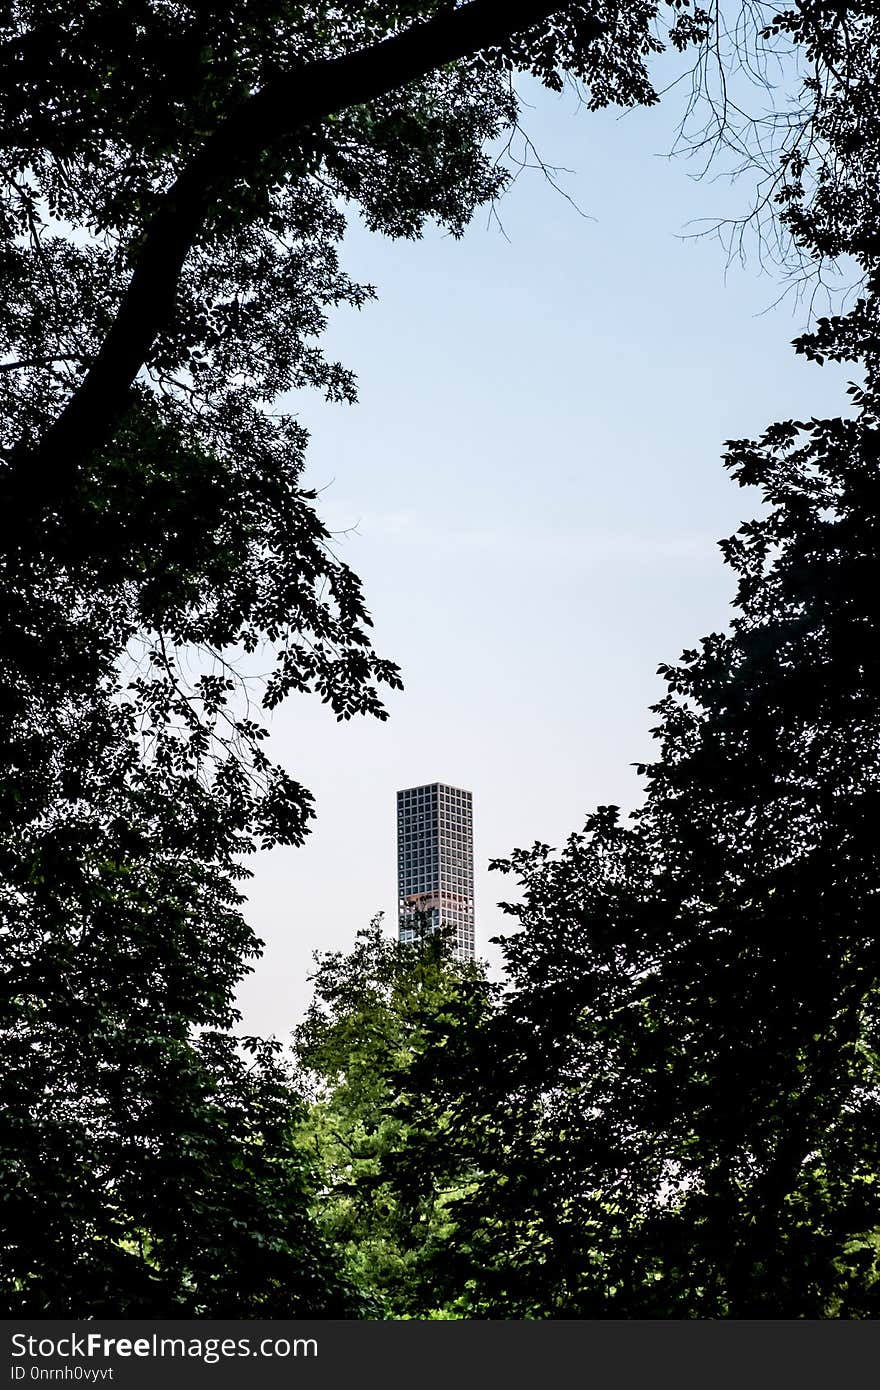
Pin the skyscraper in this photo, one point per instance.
(435, 862)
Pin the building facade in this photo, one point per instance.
(435, 862)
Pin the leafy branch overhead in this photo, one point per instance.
(259, 140)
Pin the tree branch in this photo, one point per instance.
(287, 105)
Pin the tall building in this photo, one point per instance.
(435, 862)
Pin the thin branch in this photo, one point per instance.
(26, 362)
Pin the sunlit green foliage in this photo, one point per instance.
(386, 1181)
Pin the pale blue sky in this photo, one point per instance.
(534, 474)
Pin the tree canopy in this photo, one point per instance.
(173, 195)
(176, 179)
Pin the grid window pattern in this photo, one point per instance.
(435, 862)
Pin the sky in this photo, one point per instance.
(531, 490)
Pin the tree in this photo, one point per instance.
(387, 1182)
(695, 1010)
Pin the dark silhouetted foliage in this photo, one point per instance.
(674, 1111)
(173, 179)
